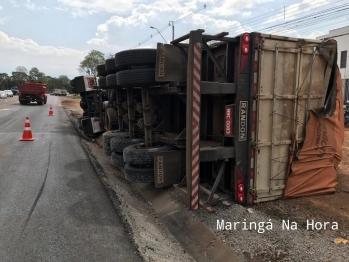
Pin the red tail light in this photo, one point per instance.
(240, 188)
(246, 38)
(245, 49)
(245, 42)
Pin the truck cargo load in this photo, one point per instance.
(315, 170)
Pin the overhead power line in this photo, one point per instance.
(178, 20)
(310, 20)
(292, 10)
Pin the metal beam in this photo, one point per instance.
(213, 154)
(213, 88)
(185, 37)
(211, 55)
(193, 119)
(131, 112)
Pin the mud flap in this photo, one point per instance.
(171, 63)
(169, 168)
(92, 125)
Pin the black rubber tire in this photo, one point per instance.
(139, 174)
(45, 101)
(136, 77)
(117, 144)
(117, 159)
(135, 57)
(101, 70)
(107, 136)
(110, 67)
(139, 155)
(106, 149)
(83, 104)
(111, 80)
(102, 81)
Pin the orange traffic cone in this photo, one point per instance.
(27, 133)
(51, 111)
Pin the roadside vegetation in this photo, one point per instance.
(21, 74)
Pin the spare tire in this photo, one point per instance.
(117, 160)
(135, 57)
(110, 67)
(117, 144)
(101, 70)
(106, 149)
(139, 174)
(140, 155)
(83, 103)
(137, 77)
(111, 80)
(107, 136)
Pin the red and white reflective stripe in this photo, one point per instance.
(196, 127)
(27, 129)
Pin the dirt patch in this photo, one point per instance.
(73, 105)
(303, 244)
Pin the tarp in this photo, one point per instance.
(314, 171)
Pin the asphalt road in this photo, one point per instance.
(53, 206)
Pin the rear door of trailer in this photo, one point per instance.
(289, 80)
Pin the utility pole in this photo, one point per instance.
(171, 23)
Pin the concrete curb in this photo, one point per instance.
(196, 239)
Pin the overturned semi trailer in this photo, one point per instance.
(240, 109)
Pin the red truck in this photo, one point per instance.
(32, 92)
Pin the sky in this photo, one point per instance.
(56, 35)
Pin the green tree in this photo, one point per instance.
(89, 64)
(52, 83)
(37, 76)
(62, 82)
(4, 81)
(20, 75)
(21, 69)
(65, 83)
(3, 76)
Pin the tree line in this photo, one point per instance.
(21, 75)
